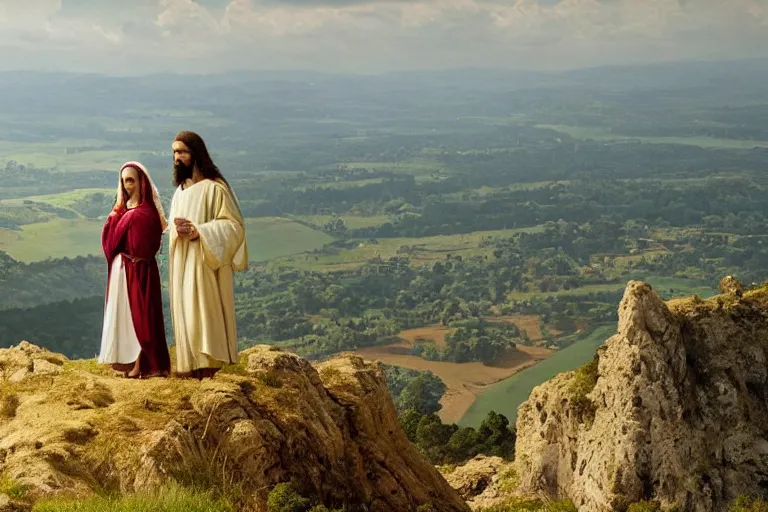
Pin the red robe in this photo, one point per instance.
(137, 235)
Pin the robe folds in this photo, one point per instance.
(201, 280)
(133, 313)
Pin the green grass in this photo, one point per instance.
(486, 190)
(54, 155)
(343, 184)
(268, 238)
(506, 396)
(603, 134)
(170, 499)
(532, 505)
(427, 249)
(661, 284)
(65, 199)
(12, 488)
(274, 237)
(351, 221)
(414, 166)
(54, 239)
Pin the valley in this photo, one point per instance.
(484, 236)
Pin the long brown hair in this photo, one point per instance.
(201, 158)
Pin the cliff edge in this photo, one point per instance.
(72, 428)
(674, 408)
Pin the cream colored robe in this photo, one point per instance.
(201, 284)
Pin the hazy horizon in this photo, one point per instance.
(372, 37)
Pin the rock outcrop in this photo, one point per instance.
(72, 427)
(674, 409)
(483, 481)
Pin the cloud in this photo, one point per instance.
(373, 35)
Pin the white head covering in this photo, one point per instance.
(155, 194)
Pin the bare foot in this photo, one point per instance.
(135, 373)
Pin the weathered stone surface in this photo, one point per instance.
(678, 412)
(483, 481)
(334, 432)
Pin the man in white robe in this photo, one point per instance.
(207, 244)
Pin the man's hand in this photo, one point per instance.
(185, 229)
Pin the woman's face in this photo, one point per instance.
(130, 179)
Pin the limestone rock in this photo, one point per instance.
(26, 359)
(675, 410)
(483, 481)
(730, 286)
(332, 430)
(43, 367)
(475, 476)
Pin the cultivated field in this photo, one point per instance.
(268, 238)
(464, 381)
(596, 133)
(420, 250)
(54, 239)
(274, 237)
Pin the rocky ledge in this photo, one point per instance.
(73, 428)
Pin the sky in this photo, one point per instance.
(131, 37)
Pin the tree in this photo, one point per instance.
(498, 439)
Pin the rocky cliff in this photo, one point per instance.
(674, 408)
(71, 427)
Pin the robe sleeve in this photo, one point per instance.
(113, 233)
(223, 237)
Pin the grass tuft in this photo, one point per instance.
(173, 498)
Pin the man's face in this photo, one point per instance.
(181, 154)
(130, 179)
(182, 161)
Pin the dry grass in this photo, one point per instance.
(13, 489)
(9, 402)
(173, 498)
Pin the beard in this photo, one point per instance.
(181, 172)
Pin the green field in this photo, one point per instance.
(662, 284)
(53, 239)
(274, 237)
(506, 396)
(351, 221)
(66, 199)
(66, 154)
(595, 133)
(342, 184)
(416, 166)
(267, 238)
(425, 249)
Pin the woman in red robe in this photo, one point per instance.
(133, 335)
